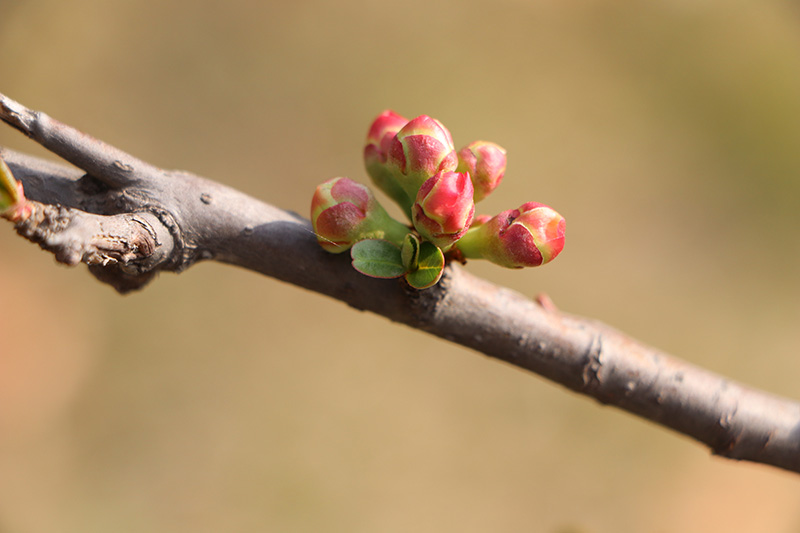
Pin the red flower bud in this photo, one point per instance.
(379, 140)
(486, 163)
(444, 208)
(382, 132)
(421, 149)
(344, 212)
(529, 236)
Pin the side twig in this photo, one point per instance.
(129, 220)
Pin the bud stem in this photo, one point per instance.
(394, 231)
(471, 244)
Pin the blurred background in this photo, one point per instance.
(220, 400)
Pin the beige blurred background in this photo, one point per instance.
(219, 400)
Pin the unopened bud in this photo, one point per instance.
(486, 163)
(419, 151)
(344, 212)
(379, 140)
(529, 236)
(444, 208)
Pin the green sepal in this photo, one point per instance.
(410, 252)
(429, 269)
(377, 258)
(9, 193)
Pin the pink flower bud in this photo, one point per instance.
(529, 236)
(344, 212)
(421, 149)
(382, 132)
(379, 140)
(486, 163)
(444, 208)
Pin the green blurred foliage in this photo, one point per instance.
(665, 132)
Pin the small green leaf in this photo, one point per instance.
(431, 266)
(410, 252)
(9, 194)
(377, 258)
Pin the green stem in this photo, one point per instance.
(472, 243)
(394, 231)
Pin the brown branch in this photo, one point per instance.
(166, 220)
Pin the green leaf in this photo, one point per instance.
(410, 252)
(377, 258)
(431, 266)
(9, 194)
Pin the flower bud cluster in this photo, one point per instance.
(415, 163)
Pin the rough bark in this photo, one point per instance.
(129, 220)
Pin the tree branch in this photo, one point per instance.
(129, 220)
